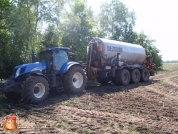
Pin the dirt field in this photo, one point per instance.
(148, 108)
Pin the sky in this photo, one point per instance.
(158, 19)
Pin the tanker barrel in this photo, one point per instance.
(131, 53)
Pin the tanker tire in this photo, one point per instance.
(103, 81)
(145, 75)
(12, 96)
(122, 77)
(74, 80)
(135, 76)
(35, 89)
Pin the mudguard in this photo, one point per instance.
(65, 67)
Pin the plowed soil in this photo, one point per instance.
(148, 108)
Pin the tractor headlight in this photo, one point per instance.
(17, 73)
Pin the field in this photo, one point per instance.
(148, 108)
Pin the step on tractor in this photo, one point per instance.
(108, 60)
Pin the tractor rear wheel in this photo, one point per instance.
(74, 80)
(35, 89)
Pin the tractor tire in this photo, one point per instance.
(103, 81)
(145, 75)
(74, 80)
(12, 96)
(122, 77)
(35, 89)
(135, 76)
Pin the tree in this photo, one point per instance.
(116, 22)
(21, 31)
(150, 49)
(5, 65)
(78, 29)
(51, 37)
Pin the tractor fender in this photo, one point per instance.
(66, 66)
(38, 74)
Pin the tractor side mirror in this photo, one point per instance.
(71, 56)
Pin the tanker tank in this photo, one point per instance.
(130, 53)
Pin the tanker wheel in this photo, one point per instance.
(145, 75)
(103, 80)
(135, 76)
(35, 89)
(122, 77)
(12, 96)
(74, 80)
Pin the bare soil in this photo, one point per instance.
(148, 108)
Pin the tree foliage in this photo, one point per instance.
(78, 29)
(150, 49)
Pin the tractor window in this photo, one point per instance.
(60, 57)
(45, 56)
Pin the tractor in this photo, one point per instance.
(55, 70)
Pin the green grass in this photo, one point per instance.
(63, 125)
(134, 128)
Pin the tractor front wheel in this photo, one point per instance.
(35, 89)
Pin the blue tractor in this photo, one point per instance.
(32, 81)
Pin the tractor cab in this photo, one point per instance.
(54, 58)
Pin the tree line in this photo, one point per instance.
(30, 25)
(171, 61)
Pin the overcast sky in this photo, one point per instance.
(158, 19)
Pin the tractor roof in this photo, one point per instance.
(54, 48)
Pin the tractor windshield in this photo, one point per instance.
(60, 57)
(45, 56)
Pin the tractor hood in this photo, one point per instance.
(35, 67)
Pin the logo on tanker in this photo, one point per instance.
(115, 49)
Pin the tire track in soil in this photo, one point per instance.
(95, 120)
(159, 117)
(162, 119)
(167, 117)
(151, 122)
(44, 124)
(167, 80)
(168, 97)
(145, 120)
